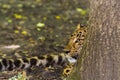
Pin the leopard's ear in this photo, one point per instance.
(78, 26)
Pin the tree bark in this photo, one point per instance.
(101, 56)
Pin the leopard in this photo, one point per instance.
(68, 56)
(75, 45)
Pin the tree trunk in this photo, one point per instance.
(101, 57)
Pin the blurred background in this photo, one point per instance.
(41, 24)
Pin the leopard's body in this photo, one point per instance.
(72, 50)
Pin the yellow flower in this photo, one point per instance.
(18, 16)
(24, 32)
(58, 17)
(16, 31)
(44, 18)
(82, 11)
(40, 24)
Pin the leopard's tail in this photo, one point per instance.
(24, 63)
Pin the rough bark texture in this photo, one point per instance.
(102, 54)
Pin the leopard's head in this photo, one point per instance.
(76, 41)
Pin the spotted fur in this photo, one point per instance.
(74, 46)
(24, 63)
(76, 41)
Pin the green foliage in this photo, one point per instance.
(82, 11)
(18, 77)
